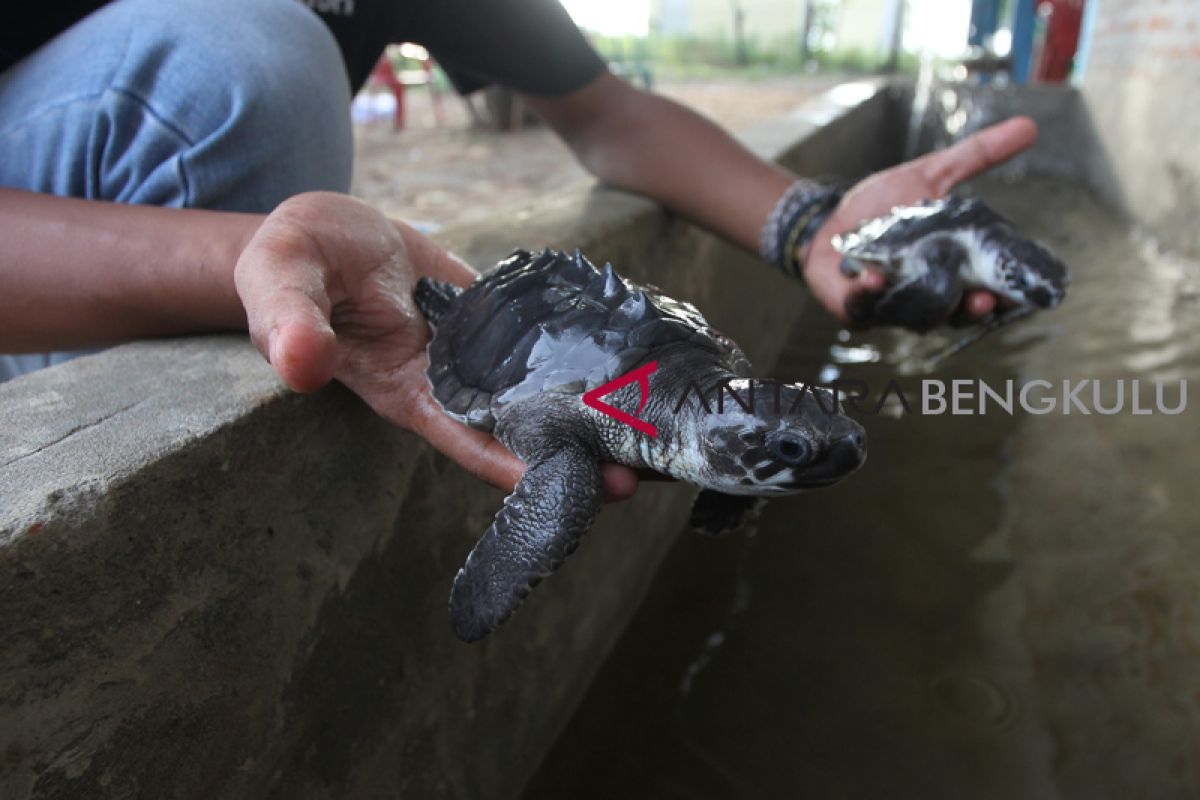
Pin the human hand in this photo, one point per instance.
(931, 176)
(327, 286)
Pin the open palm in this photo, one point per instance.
(928, 177)
(327, 286)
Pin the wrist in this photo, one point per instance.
(804, 252)
(800, 213)
(83, 273)
(224, 306)
(183, 281)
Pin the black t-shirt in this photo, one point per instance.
(529, 45)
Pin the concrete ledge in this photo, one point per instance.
(211, 587)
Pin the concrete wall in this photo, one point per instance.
(1142, 70)
(1067, 145)
(210, 587)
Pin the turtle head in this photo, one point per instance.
(782, 439)
(1029, 274)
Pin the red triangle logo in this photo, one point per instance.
(642, 376)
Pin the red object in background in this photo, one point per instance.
(384, 75)
(1062, 39)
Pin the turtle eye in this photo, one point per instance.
(1028, 279)
(1018, 275)
(789, 448)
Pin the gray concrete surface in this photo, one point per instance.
(210, 587)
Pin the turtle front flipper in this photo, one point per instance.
(540, 524)
(930, 287)
(715, 514)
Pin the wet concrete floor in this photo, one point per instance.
(995, 607)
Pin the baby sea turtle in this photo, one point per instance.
(516, 353)
(934, 252)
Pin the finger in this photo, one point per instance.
(864, 289)
(302, 349)
(978, 305)
(974, 308)
(475, 451)
(826, 280)
(481, 454)
(485, 457)
(620, 482)
(989, 147)
(870, 281)
(287, 310)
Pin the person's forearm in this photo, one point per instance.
(81, 273)
(653, 146)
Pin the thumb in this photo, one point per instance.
(302, 347)
(859, 304)
(287, 310)
(840, 294)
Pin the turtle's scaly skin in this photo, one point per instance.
(514, 353)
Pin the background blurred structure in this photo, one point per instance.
(1140, 73)
(1017, 40)
(851, 33)
(864, 35)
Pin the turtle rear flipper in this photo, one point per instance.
(433, 298)
(541, 524)
(716, 514)
(931, 288)
(998, 321)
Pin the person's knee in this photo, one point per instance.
(256, 88)
(230, 104)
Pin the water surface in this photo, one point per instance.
(998, 606)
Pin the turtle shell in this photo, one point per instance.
(552, 322)
(880, 239)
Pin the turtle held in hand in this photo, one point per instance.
(525, 353)
(934, 252)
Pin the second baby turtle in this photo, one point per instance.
(934, 252)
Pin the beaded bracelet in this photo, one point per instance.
(797, 216)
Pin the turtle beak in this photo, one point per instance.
(844, 451)
(1043, 297)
